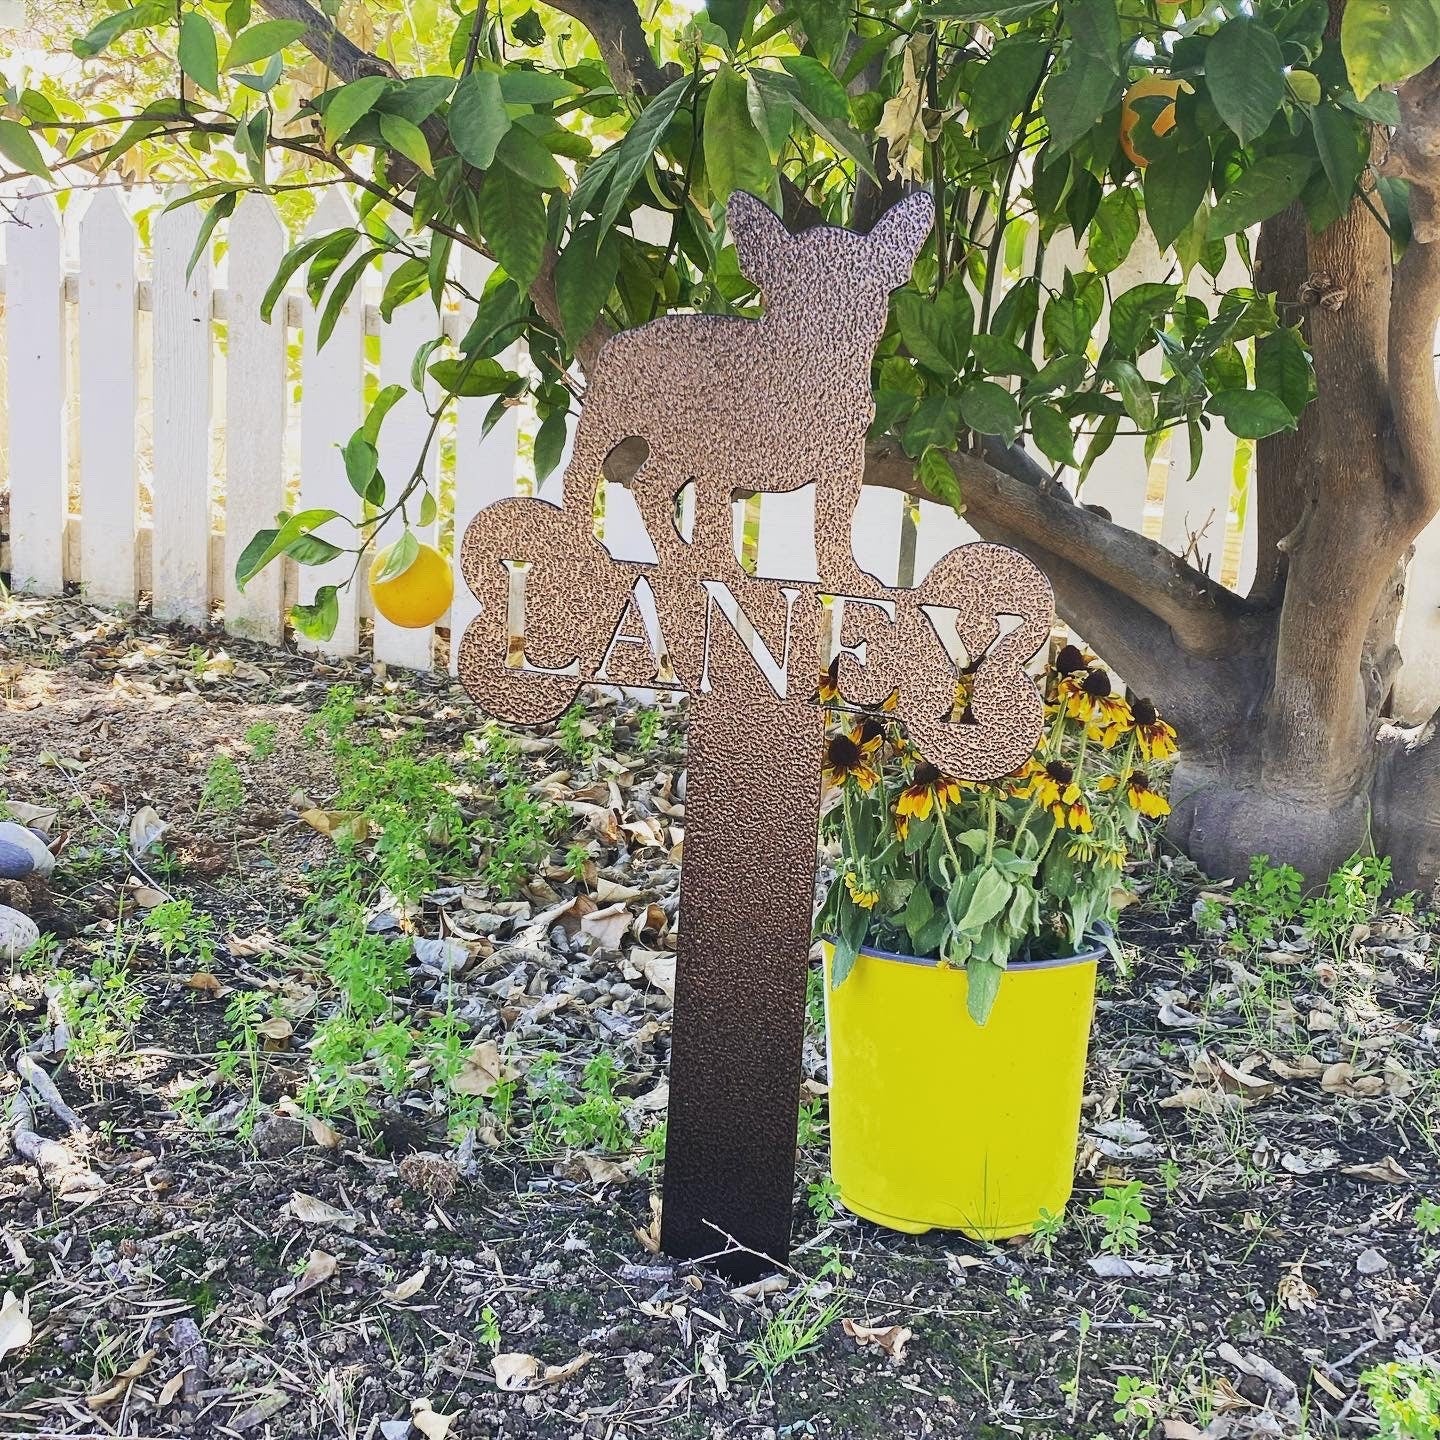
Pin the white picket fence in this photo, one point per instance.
(154, 422)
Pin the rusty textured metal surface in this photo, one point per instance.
(749, 405)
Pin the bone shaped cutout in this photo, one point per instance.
(768, 404)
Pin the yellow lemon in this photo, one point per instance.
(419, 595)
(1130, 117)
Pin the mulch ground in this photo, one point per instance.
(476, 1259)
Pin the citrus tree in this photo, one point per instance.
(534, 134)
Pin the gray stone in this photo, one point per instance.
(17, 933)
(19, 845)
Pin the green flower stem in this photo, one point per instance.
(949, 843)
(989, 827)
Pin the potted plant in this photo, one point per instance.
(962, 936)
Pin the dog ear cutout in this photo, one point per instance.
(897, 236)
(759, 234)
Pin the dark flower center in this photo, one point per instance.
(926, 773)
(843, 753)
(871, 730)
(1097, 684)
(1070, 659)
(1059, 772)
(1144, 712)
(1139, 780)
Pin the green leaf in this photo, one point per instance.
(772, 112)
(991, 895)
(137, 17)
(529, 159)
(418, 99)
(1007, 79)
(827, 25)
(1135, 392)
(938, 477)
(199, 52)
(935, 423)
(1176, 183)
(472, 377)
(256, 556)
(1264, 189)
(937, 332)
(411, 277)
(1245, 74)
(1252, 414)
(222, 209)
(534, 87)
(18, 146)
(1304, 86)
(634, 151)
(340, 293)
(261, 41)
(1076, 98)
(1095, 28)
(990, 409)
(478, 119)
(1133, 316)
(998, 356)
(1386, 41)
(982, 986)
(408, 139)
(399, 557)
(999, 14)
(317, 621)
(736, 155)
(1282, 367)
(731, 16)
(584, 278)
(549, 444)
(349, 104)
(1017, 311)
(361, 460)
(512, 220)
(823, 95)
(1053, 435)
(1113, 231)
(380, 407)
(1343, 142)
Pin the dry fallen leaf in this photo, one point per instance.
(515, 1371)
(1300, 1067)
(146, 827)
(275, 1032)
(205, 982)
(430, 1423)
(409, 1286)
(892, 1339)
(1341, 1079)
(607, 927)
(310, 1211)
(483, 1070)
(15, 1327)
(649, 1237)
(1197, 1097)
(1294, 1292)
(338, 824)
(657, 967)
(1181, 1430)
(1388, 1171)
(121, 1383)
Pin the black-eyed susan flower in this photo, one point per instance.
(1138, 793)
(1071, 659)
(1156, 739)
(1055, 787)
(869, 735)
(1089, 698)
(931, 790)
(860, 892)
(845, 760)
(828, 690)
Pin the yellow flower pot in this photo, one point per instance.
(939, 1123)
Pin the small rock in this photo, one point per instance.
(23, 853)
(17, 933)
(1371, 1262)
(278, 1135)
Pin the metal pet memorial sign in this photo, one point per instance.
(724, 406)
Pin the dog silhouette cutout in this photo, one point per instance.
(756, 405)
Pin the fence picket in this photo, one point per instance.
(484, 464)
(181, 487)
(402, 439)
(254, 415)
(35, 370)
(332, 380)
(109, 486)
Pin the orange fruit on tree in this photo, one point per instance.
(1130, 116)
(419, 595)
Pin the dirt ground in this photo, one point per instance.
(363, 1056)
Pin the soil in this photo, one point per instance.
(312, 1279)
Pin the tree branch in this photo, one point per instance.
(1207, 620)
(617, 29)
